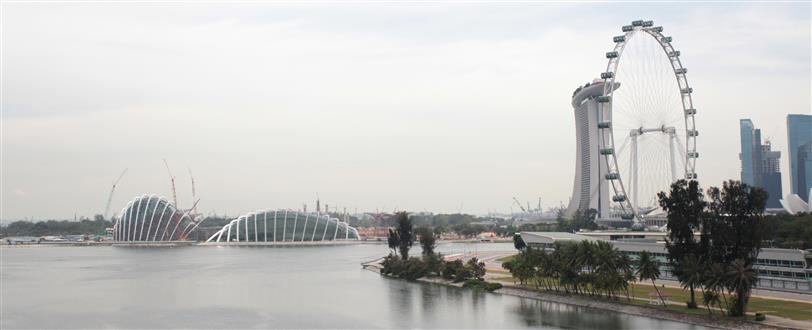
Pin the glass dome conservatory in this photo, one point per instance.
(284, 226)
(150, 218)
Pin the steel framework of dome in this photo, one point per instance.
(284, 226)
(150, 218)
(651, 107)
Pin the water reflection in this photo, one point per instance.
(541, 313)
(428, 298)
(206, 287)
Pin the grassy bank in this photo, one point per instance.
(793, 310)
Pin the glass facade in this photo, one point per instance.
(746, 132)
(760, 164)
(152, 219)
(799, 141)
(284, 226)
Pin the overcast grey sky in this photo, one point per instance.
(434, 107)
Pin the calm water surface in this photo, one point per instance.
(251, 287)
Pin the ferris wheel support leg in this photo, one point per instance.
(671, 153)
(634, 172)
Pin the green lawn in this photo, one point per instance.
(789, 309)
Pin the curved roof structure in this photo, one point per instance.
(794, 204)
(284, 226)
(150, 218)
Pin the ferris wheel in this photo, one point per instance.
(647, 131)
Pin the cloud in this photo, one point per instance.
(423, 107)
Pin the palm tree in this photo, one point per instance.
(648, 268)
(709, 298)
(741, 278)
(606, 262)
(585, 255)
(715, 281)
(692, 276)
(626, 269)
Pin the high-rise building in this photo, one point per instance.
(770, 172)
(799, 141)
(748, 147)
(760, 164)
(590, 189)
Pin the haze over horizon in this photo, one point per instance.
(434, 106)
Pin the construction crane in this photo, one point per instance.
(194, 196)
(520, 204)
(112, 190)
(172, 178)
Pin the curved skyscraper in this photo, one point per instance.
(590, 189)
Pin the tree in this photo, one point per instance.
(735, 224)
(452, 268)
(393, 240)
(788, 231)
(716, 281)
(404, 233)
(691, 275)
(733, 232)
(434, 263)
(709, 298)
(740, 278)
(626, 267)
(439, 230)
(648, 268)
(584, 220)
(518, 242)
(560, 221)
(427, 240)
(521, 266)
(476, 268)
(685, 206)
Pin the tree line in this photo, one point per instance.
(719, 263)
(586, 267)
(398, 263)
(56, 227)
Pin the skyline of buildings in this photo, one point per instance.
(760, 165)
(799, 144)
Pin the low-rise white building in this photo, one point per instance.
(778, 269)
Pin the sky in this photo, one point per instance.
(439, 106)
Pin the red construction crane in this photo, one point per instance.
(112, 190)
(172, 178)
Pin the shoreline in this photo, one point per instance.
(204, 243)
(575, 300)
